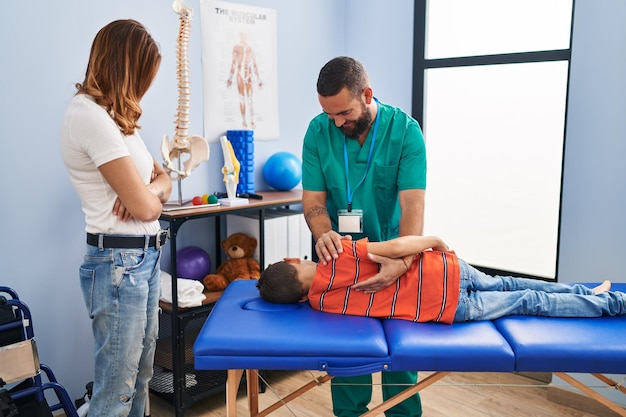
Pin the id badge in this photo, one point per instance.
(350, 221)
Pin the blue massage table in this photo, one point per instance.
(243, 332)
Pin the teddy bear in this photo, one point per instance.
(240, 265)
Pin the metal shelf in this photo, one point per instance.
(175, 377)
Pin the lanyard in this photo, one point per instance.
(369, 158)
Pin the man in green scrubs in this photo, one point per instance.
(363, 175)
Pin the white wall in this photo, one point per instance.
(593, 225)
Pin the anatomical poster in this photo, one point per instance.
(239, 69)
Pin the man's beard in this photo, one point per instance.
(361, 124)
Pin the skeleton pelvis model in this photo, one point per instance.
(183, 153)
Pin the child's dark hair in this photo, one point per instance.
(279, 284)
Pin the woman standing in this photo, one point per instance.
(121, 188)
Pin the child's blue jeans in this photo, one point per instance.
(485, 297)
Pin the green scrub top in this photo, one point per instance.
(398, 163)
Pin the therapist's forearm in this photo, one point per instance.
(315, 213)
(318, 220)
(412, 218)
(412, 223)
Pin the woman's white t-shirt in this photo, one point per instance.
(90, 138)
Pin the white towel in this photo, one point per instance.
(189, 291)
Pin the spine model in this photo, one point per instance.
(193, 149)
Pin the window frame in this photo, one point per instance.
(421, 64)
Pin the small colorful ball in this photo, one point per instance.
(212, 199)
(196, 201)
(205, 199)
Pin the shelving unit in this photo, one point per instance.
(286, 233)
(175, 378)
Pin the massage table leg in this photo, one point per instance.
(233, 378)
(252, 381)
(591, 393)
(398, 398)
(378, 410)
(316, 382)
(610, 382)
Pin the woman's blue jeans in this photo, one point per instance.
(121, 288)
(485, 297)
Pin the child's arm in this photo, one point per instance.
(406, 245)
(391, 254)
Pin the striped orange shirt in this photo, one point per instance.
(428, 291)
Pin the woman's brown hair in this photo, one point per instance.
(123, 62)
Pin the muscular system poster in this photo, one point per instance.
(239, 69)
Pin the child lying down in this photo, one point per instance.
(437, 286)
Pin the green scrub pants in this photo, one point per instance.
(351, 395)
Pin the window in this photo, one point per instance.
(490, 91)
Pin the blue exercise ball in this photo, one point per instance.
(192, 262)
(282, 171)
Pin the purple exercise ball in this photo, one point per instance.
(192, 262)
